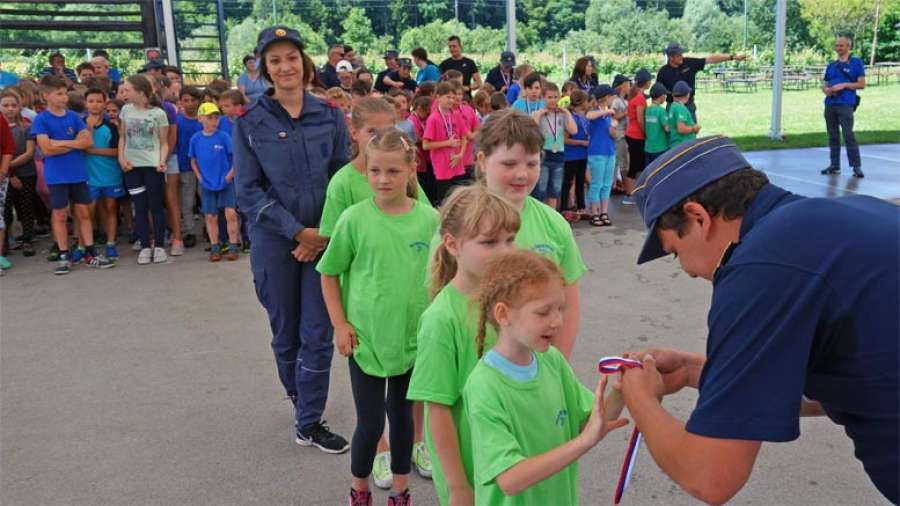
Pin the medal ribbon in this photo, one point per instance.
(613, 365)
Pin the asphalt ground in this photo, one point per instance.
(156, 384)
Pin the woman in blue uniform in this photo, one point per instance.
(285, 147)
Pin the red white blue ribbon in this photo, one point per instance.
(613, 365)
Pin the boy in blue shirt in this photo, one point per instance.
(211, 161)
(62, 137)
(104, 174)
(534, 90)
(188, 125)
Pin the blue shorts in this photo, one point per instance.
(213, 200)
(106, 192)
(62, 194)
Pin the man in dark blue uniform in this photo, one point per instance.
(803, 319)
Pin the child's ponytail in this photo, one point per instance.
(465, 213)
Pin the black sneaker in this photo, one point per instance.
(190, 240)
(318, 435)
(857, 172)
(830, 171)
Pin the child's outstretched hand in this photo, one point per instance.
(597, 426)
(345, 339)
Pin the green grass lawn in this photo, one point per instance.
(745, 117)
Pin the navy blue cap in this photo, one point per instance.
(602, 90)
(406, 62)
(658, 89)
(674, 49)
(508, 58)
(391, 53)
(642, 76)
(153, 65)
(677, 174)
(619, 80)
(277, 34)
(681, 89)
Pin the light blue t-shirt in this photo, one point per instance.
(527, 106)
(429, 73)
(510, 369)
(253, 89)
(104, 171)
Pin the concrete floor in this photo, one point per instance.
(156, 384)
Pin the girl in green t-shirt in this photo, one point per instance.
(530, 415)
(509, 164)
(373, 283)
(476, 225)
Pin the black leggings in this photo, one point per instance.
(23, 202)
(636, 155)
(371, 404)
(147, 188)
(574, 171)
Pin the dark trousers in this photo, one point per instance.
(371, 404)
(23, 202)
(840, 118)
(146, 186)
(291, 293)
(573, 171)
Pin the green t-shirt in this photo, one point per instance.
(678, 112)
(655, 120)
(381, 262)
(347, 187)
(515, 420)
(141, 129)
(445, 357)
(545, 231)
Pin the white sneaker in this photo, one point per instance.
(145, 256)
(177, 249)
(136, 246)
(159, 256)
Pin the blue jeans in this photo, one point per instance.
(602, 174)
(550, 182)
(291, 293)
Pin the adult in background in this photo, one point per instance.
(58, 68)
(583, 74)
(502, 76)
(328, 73)
(7, 79)
(103, 70)
(842, 78)
(793, 332)
(251, 83)
(428, 71)
(681, 68)
(401, 78)
(286, 146)
(467, 66)
(114, 74)
(390, 60)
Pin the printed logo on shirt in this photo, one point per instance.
(218, 147)
(419, 246)
(543, 249)
(561, 417)
(70, 131)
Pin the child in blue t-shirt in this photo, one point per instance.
(188, 125)
(62, 136)
(601, 154)
(211, 160)
(104, 174)
(534, 90)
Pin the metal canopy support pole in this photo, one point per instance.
(511, 25)
(169, 27)
(778, 77)
(220, 28)
(148, 23)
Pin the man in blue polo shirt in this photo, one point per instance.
(842, 78)
(803, 320)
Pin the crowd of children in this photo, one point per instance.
(481, 357)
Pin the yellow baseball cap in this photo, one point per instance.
(207, 108)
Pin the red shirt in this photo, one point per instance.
(634, 129)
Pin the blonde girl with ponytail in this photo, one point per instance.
(476, 225)
(373, 283)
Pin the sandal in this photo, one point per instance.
(605, 219)
(597, 221)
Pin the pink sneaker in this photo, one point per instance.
(360, 498)
(400, 500)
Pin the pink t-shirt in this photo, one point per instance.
(439, 127)
(470, 119)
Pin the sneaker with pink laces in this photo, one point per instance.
(360, 498)
(401, 499)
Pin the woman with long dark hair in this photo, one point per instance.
(584, 74)
(285, 147)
